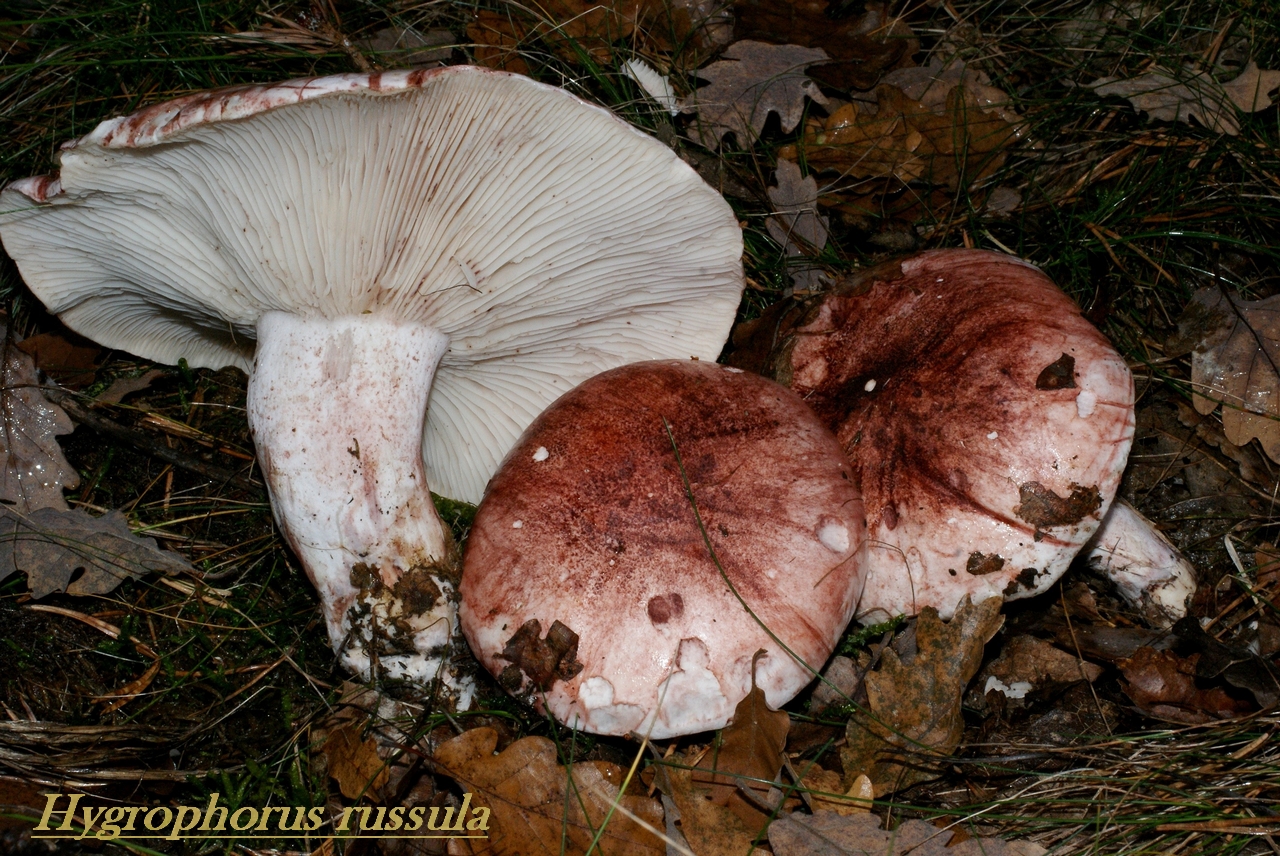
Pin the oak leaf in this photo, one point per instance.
(754, 80)
(1169, 95)
(35, 470)
(748, 755)
(579, 30)
(826, 792)
(71, 360)
(496, 38)
(796, 225)
(953, 143)
(123, 386)
(829, 834)
(354, 763)
(913, 709)
(1235, 346)
(707, 786)
(861, 48)
(538, 807)
(1162, 684)
(574, 29)
(708, 828)
(50, 546)
(406, 47)
(931, 84)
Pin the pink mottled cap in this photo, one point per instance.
(988, 421)
(545, 237)
(588, 588)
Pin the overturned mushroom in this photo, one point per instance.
(988, 421)
(457, 234)
(589, 588)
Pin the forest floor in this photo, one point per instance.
(1130, 150)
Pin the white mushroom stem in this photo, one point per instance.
(337, 407)
(1146, 569)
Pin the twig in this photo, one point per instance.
(146, 444)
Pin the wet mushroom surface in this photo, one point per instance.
(988, 422)
(588, 586)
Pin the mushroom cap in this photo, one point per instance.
(988, 422)
(587, 530)
(545, 236)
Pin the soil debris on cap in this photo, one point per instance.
(1059, 374)
(1043, 508)
(543, 661)
(981, 563)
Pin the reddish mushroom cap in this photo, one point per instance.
(588, 588)
(988, 421)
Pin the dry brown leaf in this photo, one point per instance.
(50, 546)
(915, 707)
(796, 225)
(35, 470)
(70, 360)
(326, 848)
(1267, 559)
(902, 138)
(828, 794)
(1179, 96)
(405, 47)
(860, 142)
(1026, 659)
(536, 809)
(749, 755)
(1218, 661)
(754, 80)
(1163, 684)
(931, 84)
(1251, 90)
(879, 210)
(687, 32)
(496, 38)
(1087, 28)
(1027, 665)
(588, 26)
(122, 386)
(580, 29)
(830, 834)
(1248, 458)
(1003, 201)
(840, 681)
(354, 763)
(705, 784)
(709, 829)
(861, 48)
(1236, 352)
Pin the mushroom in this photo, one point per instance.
(1145, 568)
(455, 234)
(988, 421)
(586, 534)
